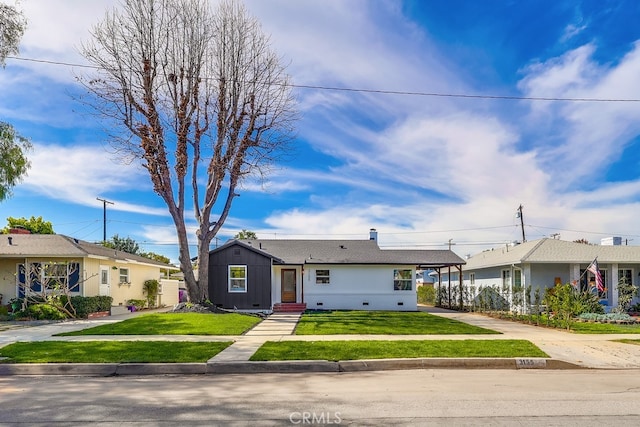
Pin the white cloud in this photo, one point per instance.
(591, 134)
(79, 174)
(55, 31)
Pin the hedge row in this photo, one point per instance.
(86, 305)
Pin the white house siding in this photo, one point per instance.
(358, 287)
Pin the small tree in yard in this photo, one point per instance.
(626, 293)
(198, 97)
(150, 288)
(48, 284)
(566, 302)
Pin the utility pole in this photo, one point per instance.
(104, 217)
(450, 243)
(519, 215)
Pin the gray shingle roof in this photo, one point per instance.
(554, 251)
(348, 252)
(60, 246)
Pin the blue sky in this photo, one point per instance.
(420, 169)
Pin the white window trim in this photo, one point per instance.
(235, 291)
(411, 280)
(128, 276)
(328, 276)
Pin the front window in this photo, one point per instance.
(54, 276)
(472, 278)
(402, 280)
(322, 277)
(517, 279)
(124, 275)
(237, 278)
(506, 278)
(625, 274)
(48, 277)
(589, 283)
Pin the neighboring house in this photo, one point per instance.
(541, 264)
(263, 275)
(29, 262)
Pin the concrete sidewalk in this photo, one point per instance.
(566, 350)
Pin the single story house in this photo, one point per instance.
(265, 275)
(29, 263)
(542, 263)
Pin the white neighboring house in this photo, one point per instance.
(319, 274)
(541, 264)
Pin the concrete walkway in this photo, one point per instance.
(587, 351)
(273, 328)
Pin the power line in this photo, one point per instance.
(386, 92)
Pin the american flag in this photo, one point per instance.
(593, 267)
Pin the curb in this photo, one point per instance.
(297, 366)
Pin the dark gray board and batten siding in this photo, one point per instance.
(258, 295)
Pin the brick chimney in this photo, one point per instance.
(19, 231)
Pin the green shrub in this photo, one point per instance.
(626, 293)
(426, 294)
(588, 302)
(137, 303)
(604, 318)
(44, 312)
(567, 303)
(150, 287)
(87, 305)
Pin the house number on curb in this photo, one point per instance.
(531, 363)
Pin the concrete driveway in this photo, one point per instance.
(587, 350)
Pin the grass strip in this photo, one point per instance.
(628, 341)
(111, 352)
(175, 324)
(382, 323)
(604, 328)
(375, 349)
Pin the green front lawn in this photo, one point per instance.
(604, 328)
(382, 323)
(356, 350)
(175, 324)
(111, 352)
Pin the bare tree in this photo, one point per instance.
(201, 99)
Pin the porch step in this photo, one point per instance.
(289, 307)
